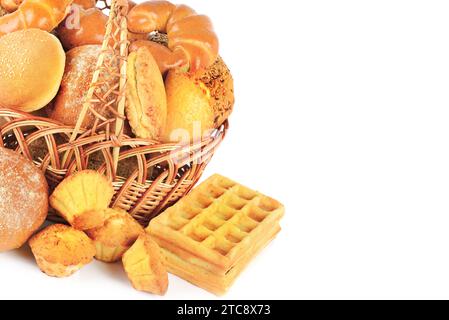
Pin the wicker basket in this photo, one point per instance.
(147, 176)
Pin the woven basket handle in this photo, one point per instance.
(114, 51)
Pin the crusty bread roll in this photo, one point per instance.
(31, 67)
(23, 199)
(80, 67)
(146, 101)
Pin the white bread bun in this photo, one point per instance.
(31, 68)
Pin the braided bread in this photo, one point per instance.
(191, 39)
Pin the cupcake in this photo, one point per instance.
(60, 250)
(116, 236)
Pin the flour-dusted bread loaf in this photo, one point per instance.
(23, 199)
(79, 70)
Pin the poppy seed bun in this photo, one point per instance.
(31, 67)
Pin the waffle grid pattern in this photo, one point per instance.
(220, 214)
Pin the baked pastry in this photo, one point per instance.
(191, 36)
(23, 199)
(27, 58)
(79, 70)
(85, 4)
(198, 102)
(211, 235)
(10, 5)
(189, 114)
(116, 236)
(82, 198)
(88, 28)
(145, 267)
(146, 107)
(60, 250)
(165, 59)
(40, 14)
(220, 89)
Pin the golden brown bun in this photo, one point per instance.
(146, 107)
(145, 266)
(198, 102)
(3, 11)
(86, 4)
(116, 236)
(218, 80)
(82, 198)
(10, 5)
(23, 199)
(91, 28)
(31, 69)
(80, 67)
(60, 250)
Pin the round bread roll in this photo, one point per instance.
(91, 29)
(198, 102)
(31, 67)
(80, 67)
(24, 199)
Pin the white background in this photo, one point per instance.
(342, 114)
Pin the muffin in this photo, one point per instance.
(60, 250)
(82, 198)
(116, 236)
(145, 266)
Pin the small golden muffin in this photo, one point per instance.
(82, 198)
(32, 64)
(61, 250)
(146, 107)
(116, 236)
(198, 102)
(145, 266)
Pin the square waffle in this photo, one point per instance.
(210, 235)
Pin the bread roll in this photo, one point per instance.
(198, 102)
(86, 4)
(23, 199)
(146, 105)
(31, 68)
(10, 5)
(91, 28)
(80, 67)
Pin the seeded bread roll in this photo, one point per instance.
(23, 199)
